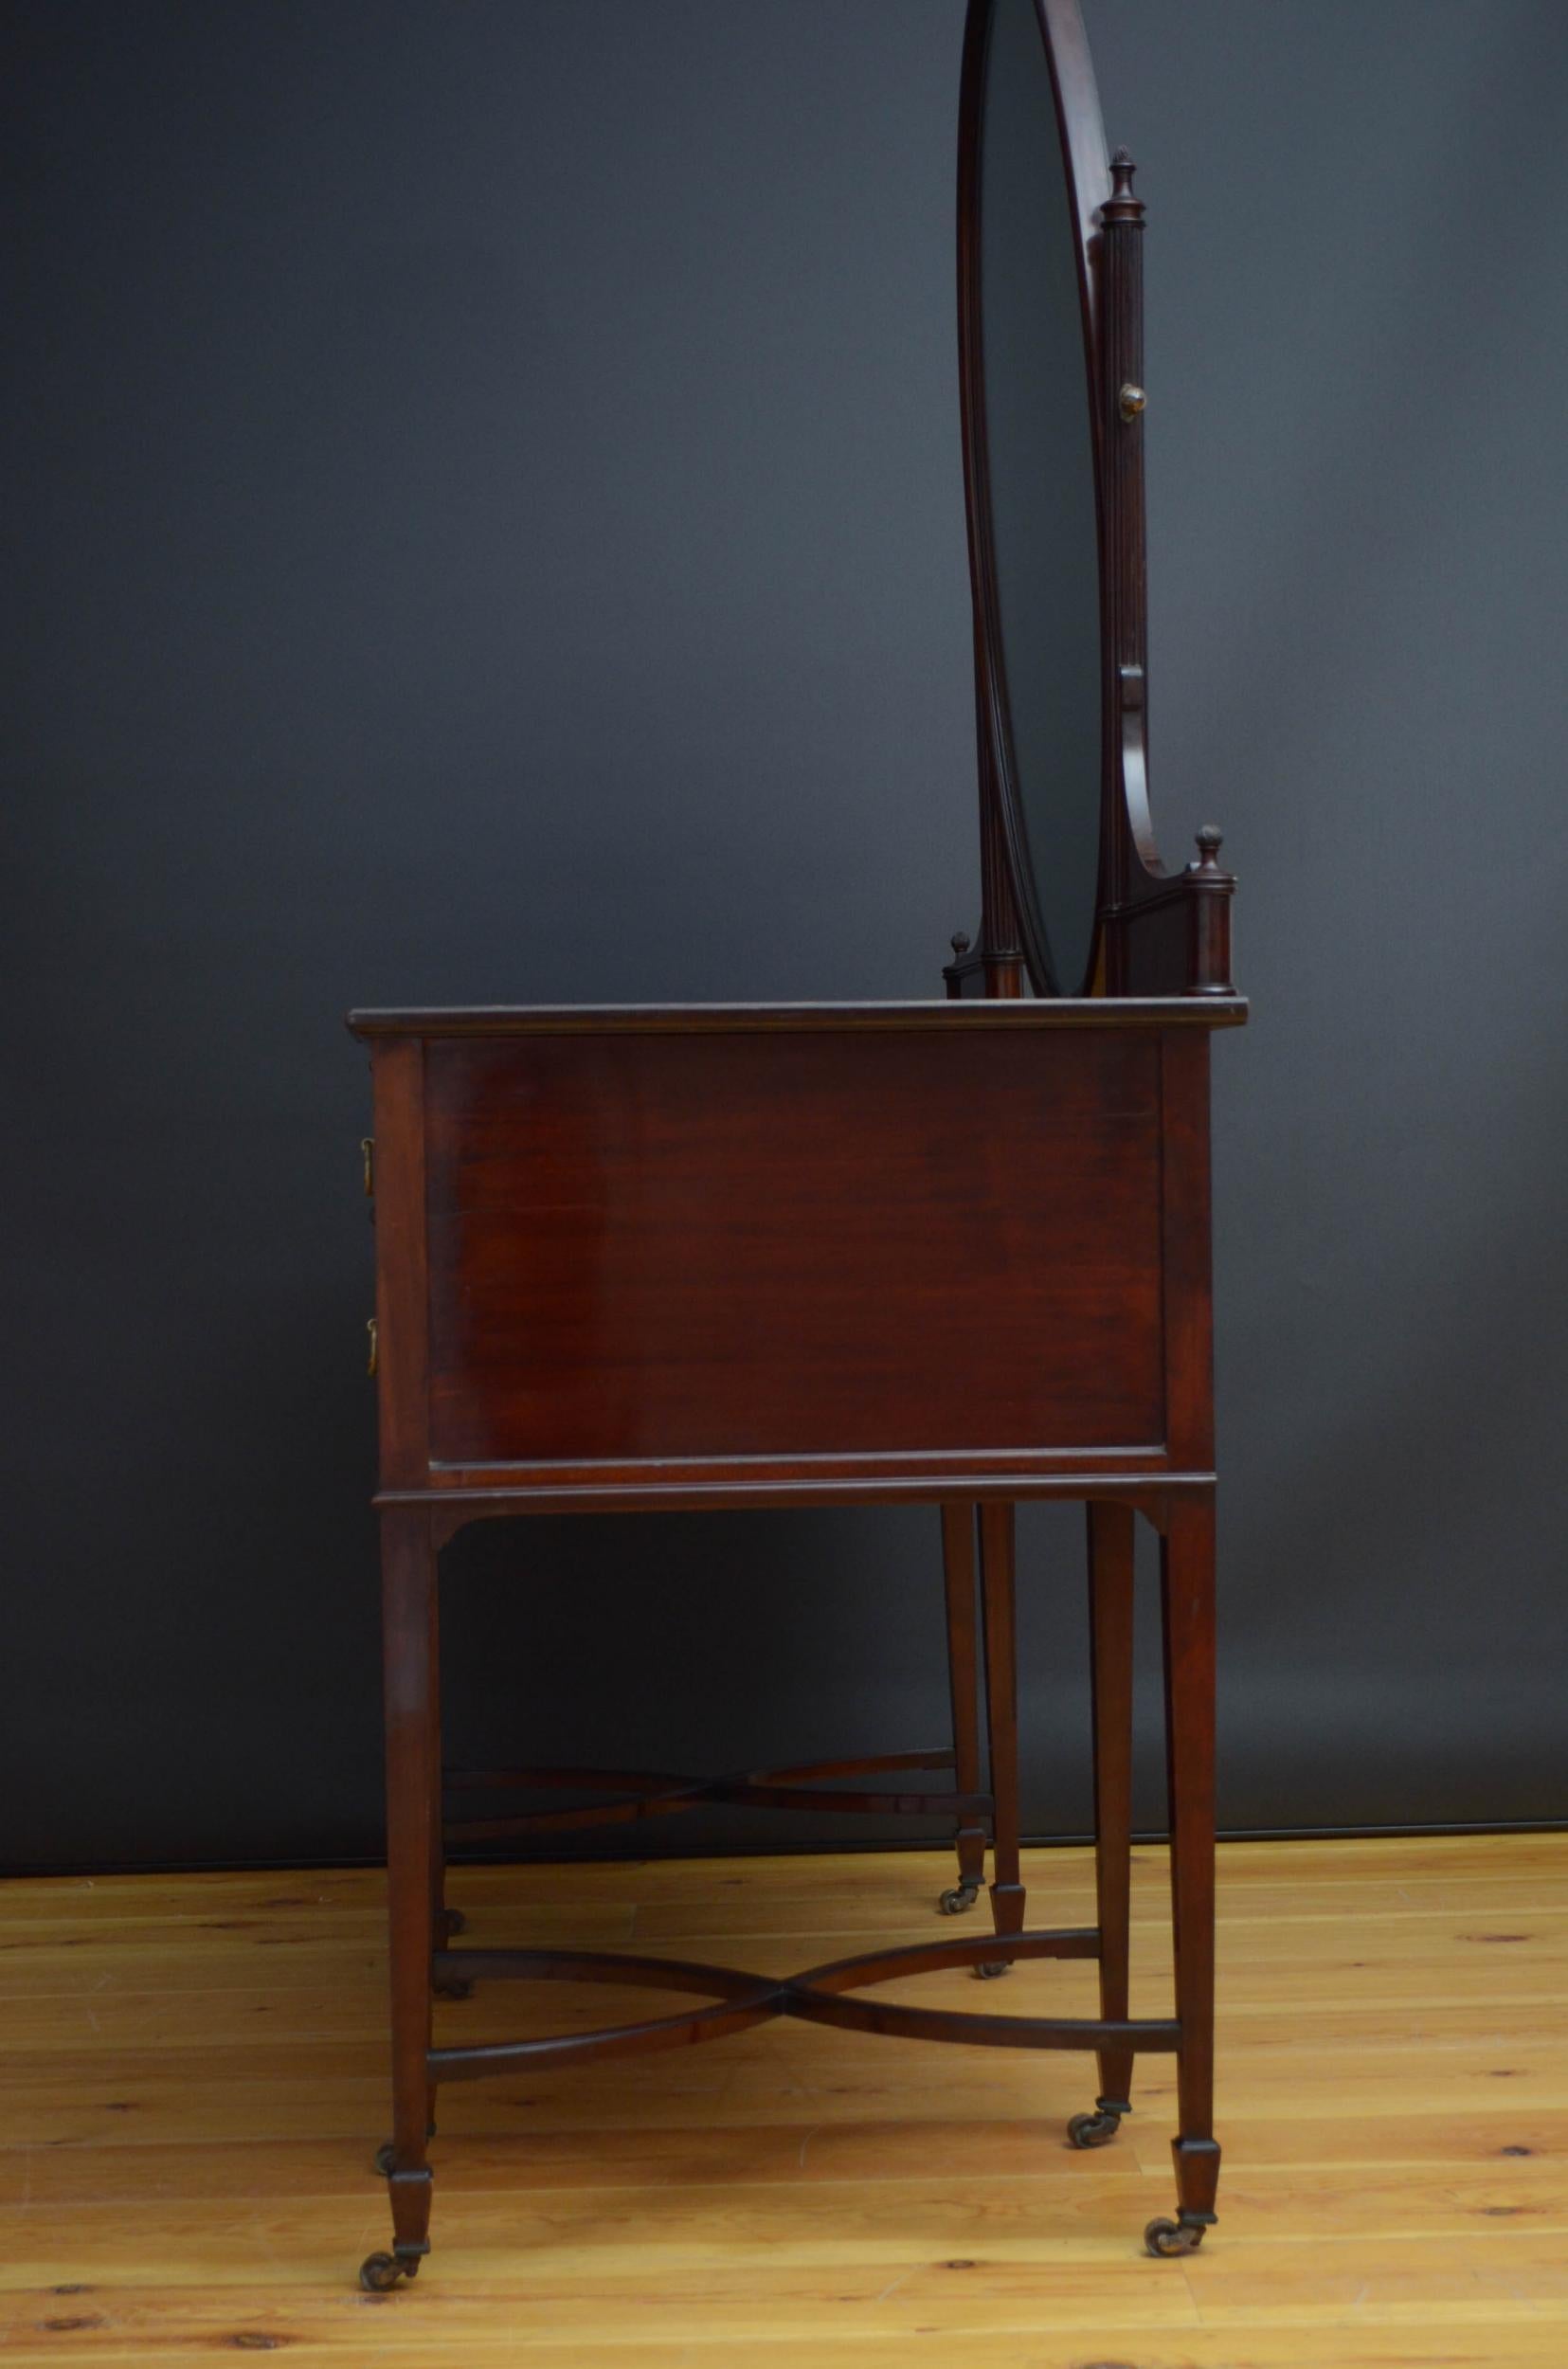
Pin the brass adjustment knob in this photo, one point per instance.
(1131, 401)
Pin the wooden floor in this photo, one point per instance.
(193, 2086)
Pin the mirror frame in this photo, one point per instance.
(1082, 136)
(1154, 932)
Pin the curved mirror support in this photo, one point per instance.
(1035, 175)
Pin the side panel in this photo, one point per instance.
(705, 1246)
(1189, 1314)
(402, 1312)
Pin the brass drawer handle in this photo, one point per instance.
(368, 1149)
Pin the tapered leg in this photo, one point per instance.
(1001, 1711)
(413, 1759)
(444, 1922)
(1187, 1599)
(437, 1846)
(1110, 1547)
(958, 1571)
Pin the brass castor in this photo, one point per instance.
(993, 1966)
(453, 1986)
(380, 2273)
(1172, 2237)
(1094, 2130)
(956, 1898)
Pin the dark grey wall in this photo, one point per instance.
(485, 522)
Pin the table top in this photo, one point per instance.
(510, 1019)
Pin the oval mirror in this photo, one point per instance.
(1032, 174)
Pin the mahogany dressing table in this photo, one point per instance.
(643, 1259)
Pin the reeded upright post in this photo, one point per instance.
(1125, 591)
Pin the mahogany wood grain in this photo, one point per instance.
(413, 1751)
(1020, 1017)
(646, 1248)
(1187, 1254)
(1142, 1480)
(1186, 1568)
(999, 1614)
(821, 1994)
(719, 1256)
(1110, 1600)
(958, 1574)
(610, 1243)
(402, 1286)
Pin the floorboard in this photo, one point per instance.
(195, 2084)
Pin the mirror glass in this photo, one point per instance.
(1040, 473)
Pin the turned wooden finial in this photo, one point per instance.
(953, 971)
(1122, 206)
(1209, 894)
